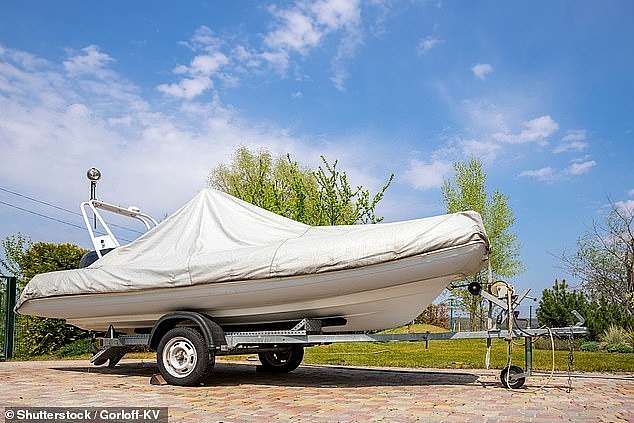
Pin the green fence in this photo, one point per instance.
(3, 303)
(9, 288)
(14, 328)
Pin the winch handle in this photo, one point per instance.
(580, 318)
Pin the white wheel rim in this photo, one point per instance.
(179, 357)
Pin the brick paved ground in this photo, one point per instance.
(319, 393)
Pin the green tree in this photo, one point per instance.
(468, 191)
(42, 335)
(604, 260)
(556, 305)
(603, 313)
(14, 247)
(436, 315)
(279, 184)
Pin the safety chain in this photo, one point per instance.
(570, 361)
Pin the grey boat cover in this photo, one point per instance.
(217, 238)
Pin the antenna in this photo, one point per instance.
(93, 175)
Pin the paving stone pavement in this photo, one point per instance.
(237, 393)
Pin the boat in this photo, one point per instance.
(245, 266)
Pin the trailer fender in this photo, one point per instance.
(211, 331)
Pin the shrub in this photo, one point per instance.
(614, 335)
(75, 348)
(620, 348)
(629, 337)
(589, 346)
(40, 335)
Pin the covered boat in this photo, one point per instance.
(243, 265)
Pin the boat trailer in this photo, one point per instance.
(281, 351)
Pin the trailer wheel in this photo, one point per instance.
(183, 357)
(281, 361)
(511, 372)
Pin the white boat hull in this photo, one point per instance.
(373, 297)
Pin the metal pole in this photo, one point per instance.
(528, 348)
(530, 317)
(487, 358)
(451, 314)
(93, 189)
(10, 328)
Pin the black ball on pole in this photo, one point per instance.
(474, 288)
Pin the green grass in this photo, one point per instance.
(455, 354)
(461, 354)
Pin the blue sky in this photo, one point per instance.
(156, 94)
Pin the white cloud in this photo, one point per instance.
(279, 60)
(339, 78)
(203, 40)
(197, 77)
(573, 141)
(534, 130)
(625, 206)
(481, 70)
(578, 167)
(24, 59)
(427, 43)
(66, 123)
(89, 61)
(543, 174)
(207, 64)
(335, 14)
(484, 116)
(485, 150)
(424, 176)
(345, 51)
(305, 25)
(187, 88)
(575, 135)
(631, 193)
(296, 31)
(120, 121)
(50, 122)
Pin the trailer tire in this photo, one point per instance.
(183, 357)
(281, 361)
(513, 381)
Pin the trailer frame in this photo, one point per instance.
(308, 332)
